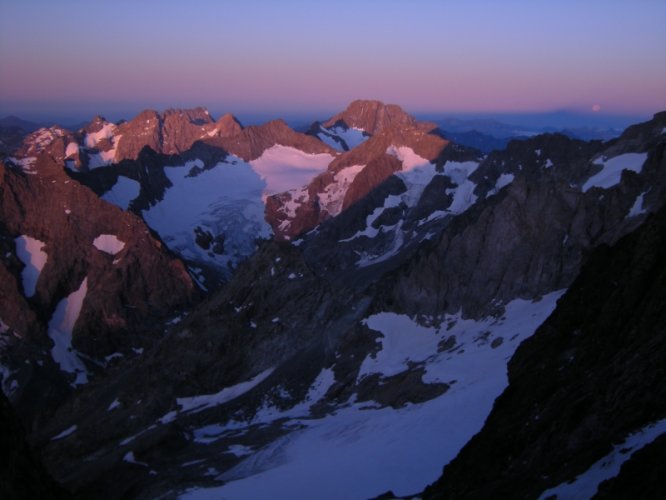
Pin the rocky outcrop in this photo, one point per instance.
(592, 374)
(372, 117)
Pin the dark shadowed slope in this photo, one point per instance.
(592, 375)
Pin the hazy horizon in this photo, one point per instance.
(558, 119)
(74, 59)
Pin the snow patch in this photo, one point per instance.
(65, 433)
(108, 243)
(407, 156)
(31, 252)
(71, 150)
(130, 458)
(638, 207)
(502, 181)
(93, 138)
(611, 172)
(60, 330)
(239, 450)
(586, 485)
(463, 194)
(196, 404)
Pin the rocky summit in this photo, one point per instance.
(192, 308)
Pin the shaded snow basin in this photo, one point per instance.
(378, 449)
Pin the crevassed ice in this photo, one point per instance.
(226, 198)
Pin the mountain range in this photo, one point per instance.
(194, 308)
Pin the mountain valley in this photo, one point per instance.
(193, 308)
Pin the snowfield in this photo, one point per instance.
(284, 168)
(376, 449)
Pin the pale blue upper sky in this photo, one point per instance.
(78, 58)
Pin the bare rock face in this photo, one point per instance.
(143, 130)
(372, 117)
(227, 126)
(180, 128)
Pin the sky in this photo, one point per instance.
(77, 58)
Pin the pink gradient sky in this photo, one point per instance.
(77, 58)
